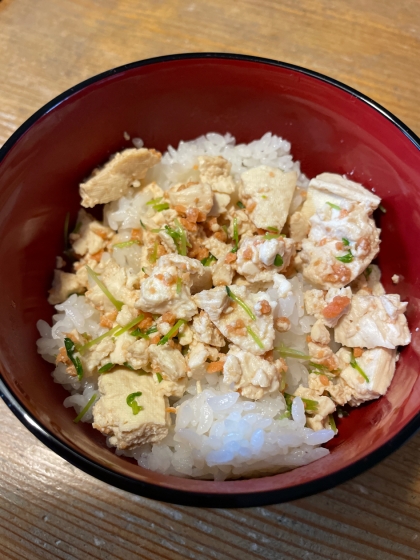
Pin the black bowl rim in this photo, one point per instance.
(162, 493)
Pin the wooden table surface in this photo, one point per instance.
(49, 509)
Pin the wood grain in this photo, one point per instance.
(49, 509)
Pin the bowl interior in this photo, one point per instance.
(163, 103)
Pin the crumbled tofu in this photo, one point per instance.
(122, 345)
(222, 273)
(272, 191)
(204, 331)
(170, 388)
(192, 195)
(328, 307)
(114, 417)
(169, 362)
(216, 247)
(159, 293)
(336, 189)
(299, 226)
(233, 321)
(91, 237)
(64, 284)
(256, 256)
(336, 234)
(185, 335)
(281, 285)
(368, 283)
(316, 420)
(114, 179)
(118, 280)
(378, 364)
(96, 356)
(244, 224)
(220, 204)
(137, 354)
(215, 171)
(213, 301)
(197, 358)
(374, 321)
(126, 315)
(323, 354)
(251, 375)
(319, 333)
(395, 278)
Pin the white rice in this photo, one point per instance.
(216, 433)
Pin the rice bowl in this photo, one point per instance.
(330, 125)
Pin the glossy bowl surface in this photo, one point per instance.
(331, 127)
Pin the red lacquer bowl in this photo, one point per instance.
(331, 127)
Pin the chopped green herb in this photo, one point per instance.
(278, 261)
(128, 326)
(289, 401)
(106, 368)
(240, 204)
(334, 206)
(178, 286)
(240, 302)
(272, 229)
(356, 366)
(143, 269)
(66, 231)
(284, 415)
(142, 225)
(159, 377)
(132, 402)
(347, 258)
(161, 207)
(75, 360)
(332, 423)
(286, 352)
(183, 238)
(172, 332)
(225, 229)
(125, 244)
(209, 260)
(382, 208)
(368, 271)
(154, 201)
(139, 334)
(322, 372)
(85, 409)
(317, 366)
(269, 236)
(345, 241)
(82, 349)
(255, 337)
(101, 285)
(263, 196)
(77, 227)
(179, 236)
(235, 235)
(153, 254)
(157, 230)
(129, 366)
(152, 330)
(310, 405)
